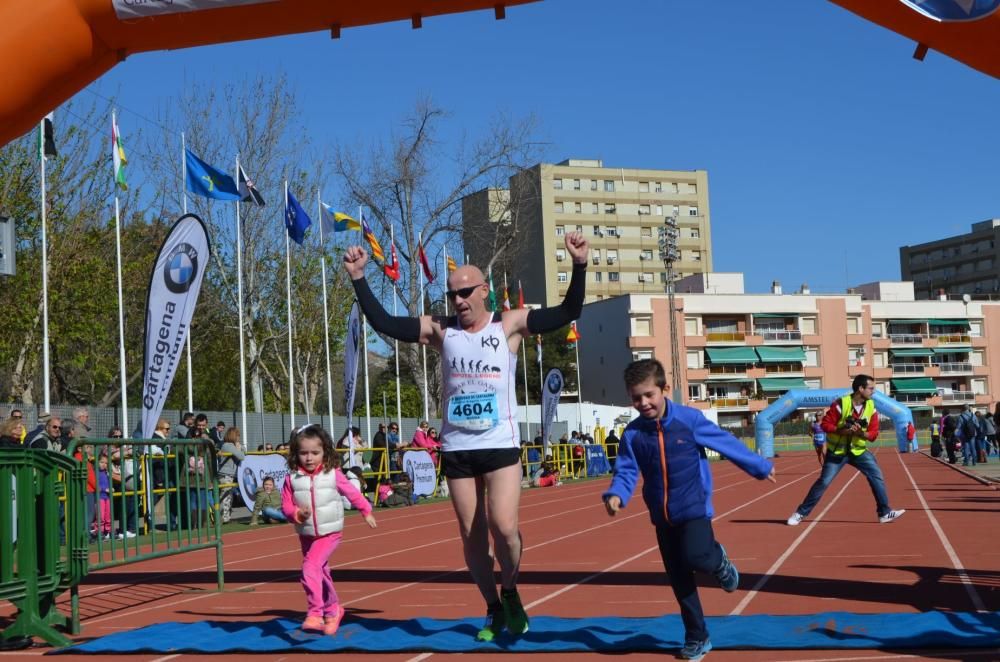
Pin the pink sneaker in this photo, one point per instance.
(333, 622)
(313, 623)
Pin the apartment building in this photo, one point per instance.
(739, 352)
(618, 209)
(962, 264)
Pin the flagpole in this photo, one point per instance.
(541, 385)
(326, 312)
(288, 284)
(423, 348)
(399, 406)
(368, 410)
(524, 364)
(445, 272)
(126, 432)
(187, 336)
(45, 276)
(239, 307)
(579, 387)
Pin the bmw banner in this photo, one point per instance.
(551, 390)
(352, 347)
(173, 294)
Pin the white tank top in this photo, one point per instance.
(479, 373)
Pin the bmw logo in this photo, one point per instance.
(181, 268)
(954, 10)
(555, 383)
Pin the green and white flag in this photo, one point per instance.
(118, 155)
(46, 138)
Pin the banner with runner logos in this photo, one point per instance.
(419, 466)
(352, 347)
(255, 468)
(173, 294)
(551, 390)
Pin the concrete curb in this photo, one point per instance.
(962, 470)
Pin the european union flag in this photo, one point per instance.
(297, 221)
(203, 179)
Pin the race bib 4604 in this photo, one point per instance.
(474, 411)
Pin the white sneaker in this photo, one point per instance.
(126, 534)
(891, 516)
(794, 519)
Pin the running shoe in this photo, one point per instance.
(891, 516)
(513, 611)
(313, 623)
(495, 623)
(695, 650)
(727, 574)
(332, 623)
(794, 519)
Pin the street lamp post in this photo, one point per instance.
(669, 253)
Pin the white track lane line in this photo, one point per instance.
(977, 603)
(788, 552)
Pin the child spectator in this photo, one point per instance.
(311, 499)
(267, 504)
(547, 475)
(666, 444)
(355, 476)
(819, 438)
(103, 527)
(388, 497)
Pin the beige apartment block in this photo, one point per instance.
(739, 352)
(619, 210)
(960, 264)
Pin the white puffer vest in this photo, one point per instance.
(319, 494)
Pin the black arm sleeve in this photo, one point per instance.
(406, 329)
(543, 320)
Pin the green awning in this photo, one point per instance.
(761, 316)
(781, 354)
(914, 385)
(908, 321)
(721, 355)
(952, 349)
(961, 323)
(913, 351)
(772, 384)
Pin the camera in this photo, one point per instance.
(851, 421)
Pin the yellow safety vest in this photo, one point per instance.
(837, 443)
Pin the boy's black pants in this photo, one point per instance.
(686, 548)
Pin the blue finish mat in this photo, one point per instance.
(549, 634)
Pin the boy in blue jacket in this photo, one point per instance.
(666, 444)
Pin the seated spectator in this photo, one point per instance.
(11, 432)
(423, 440)
(356, 477)
(391, 494)
(352, 458)
(547, 475)
(267, 504)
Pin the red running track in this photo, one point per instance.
(579, 562)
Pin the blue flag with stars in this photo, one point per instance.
(203, 179)
(297, 221)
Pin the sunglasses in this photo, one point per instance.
(464, 292)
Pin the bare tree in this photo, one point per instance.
(409, 184)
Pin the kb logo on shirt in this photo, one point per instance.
(491, 341)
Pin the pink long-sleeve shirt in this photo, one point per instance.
(289, 507)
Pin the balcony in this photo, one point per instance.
(954, 368)
(771, 336)
(734, 402)
(787, 369)
(727, 371)
(726, 337)
(907, 338)
(908, 368)
(958, 397)
(952, 338)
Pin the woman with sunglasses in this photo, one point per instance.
(480, 442)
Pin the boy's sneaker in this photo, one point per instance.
(513, 611)
(794, 519)
(891, 516)
(695, 650)
(727, 574)
(495, 623)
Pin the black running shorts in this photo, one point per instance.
(469, 464)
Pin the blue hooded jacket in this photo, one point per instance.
(680, 465)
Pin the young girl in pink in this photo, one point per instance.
(311, 499)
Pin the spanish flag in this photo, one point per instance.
(451, 264)
(573, 335)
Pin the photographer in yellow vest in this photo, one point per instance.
(850, 423)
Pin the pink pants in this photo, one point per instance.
(321, 597)
(104, 519)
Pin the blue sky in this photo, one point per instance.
(827, 147)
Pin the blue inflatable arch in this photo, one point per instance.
(784, 406)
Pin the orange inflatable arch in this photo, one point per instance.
(53, 48)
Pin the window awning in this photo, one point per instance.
(772, 384)
(781, 354)
(908, 321)
(914, 385)
(760, 316)
(913, 351)
(953, 349)
(962, 323)
(722, 355)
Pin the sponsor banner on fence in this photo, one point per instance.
(551, 390)
(255, 468)
(173, 294)
(126, 9)
(419, 466)
(597, 461)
